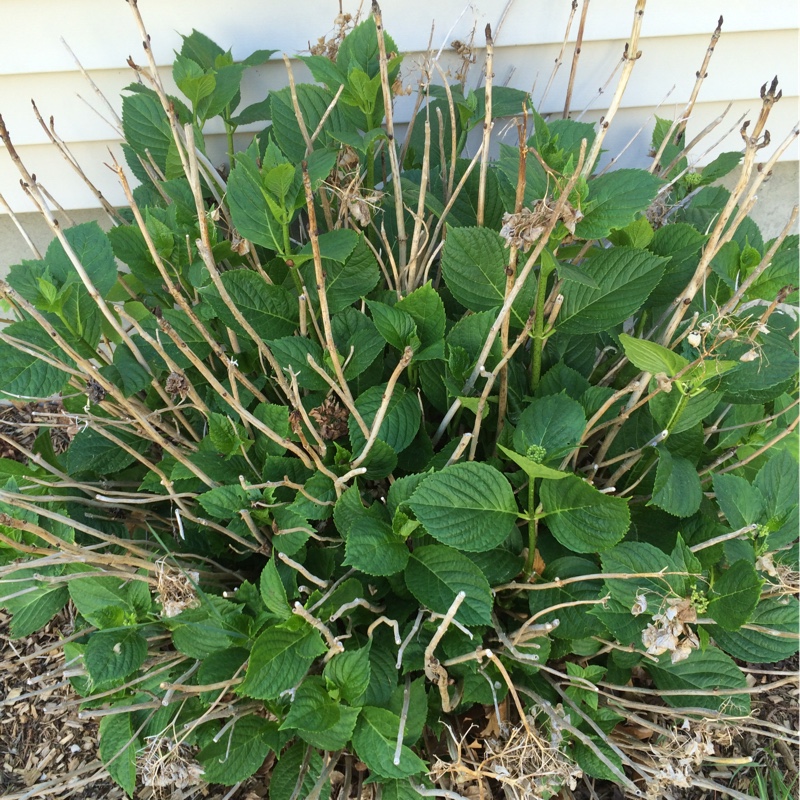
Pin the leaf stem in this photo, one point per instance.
(533, 531)
(547, 266)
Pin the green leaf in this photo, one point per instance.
(227, 436)
(201, 49)
(625, 276)
(110, 655)
(145, 126)
(192, 80)
(228, 79)
(240, 751)
(777, 481)
(312, 708)
(93, 250)
(772, 617)
(314, 102)
(704, 671)
(33, 609)
(426, 308)
(652, 357)
(396, 326)
(555, 423)
(286, 774)
(350, 672)
(345, 281)
(474, 262)
(675, 413)
(224, 502)
(279, 659)
(587, 759)
(118, 746)
(271, 310)
(734, 596)
(720, 167)
(582, 518)
(273, 592)
(24, 374)
(90, 451)
(741, 503)
(469, 506)
(436, 574)
(400, 424)
(677, 488)
(614, 200)
(574, 622)
(292, 352)
(633, 558)
(96, 597)
(373, 548)
(375, 740)
(531, 468)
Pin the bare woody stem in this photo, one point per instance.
(575, 55)
(487, 126)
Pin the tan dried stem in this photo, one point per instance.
(575, 54)
(487, 125)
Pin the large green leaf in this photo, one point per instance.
(400, 424)
(346, 280)
(90, 451)
(93, 249)
(772, 636)
(474, 262)
(635, 559)
(582, 518)
(314, 102)
(24, 374)
(425, 307)
(741, 503)
(373, 548)
(279, 659)
(110, 655)
(555, 423)
(32, 603)
(240, 751)
(375, 740)
(436, 574)
(272, 311)
(625, 277)
(350, 672)
(118, 746)
(614, 200)
(145, 126)
(734, 596)
(677, 488)
(704, 671)
(651, 357)
(777, 481)
(469, 506)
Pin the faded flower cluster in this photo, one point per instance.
(669, 631)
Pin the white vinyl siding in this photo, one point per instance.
(758, 41)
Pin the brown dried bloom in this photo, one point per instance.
(94, 391)
(524, 229)
(331, 417)
(167, 765)
(177, 385)
(670, 631)
(176, 590)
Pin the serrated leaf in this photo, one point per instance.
(614, 200)
(396, 326)
(271, 310)
(474, 264)
(312, 708)
(224, 502)
(33, 609)
(652, 357)
(240, 751)
(296, 761)
(677, 488)
(373, 548)
(555, 423)
(400, 424)
(581, 517)
(273, 592)
(734, 596)
(375, 739)
(436, 574)
(426, 308)
(351, 672)
(90, 451)
(625, 276)
(741, 503)
(469, 506)
(110, 655)
(704, 671)
(24, 375)
(279, 659)
(118, 746)
(773, 637)
(94, 595)
(633, 558)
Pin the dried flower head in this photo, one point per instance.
(177, 385)
(176, 590)
(331, 418)
(167, 765)
(94, 391)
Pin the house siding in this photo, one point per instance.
(758, 41)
